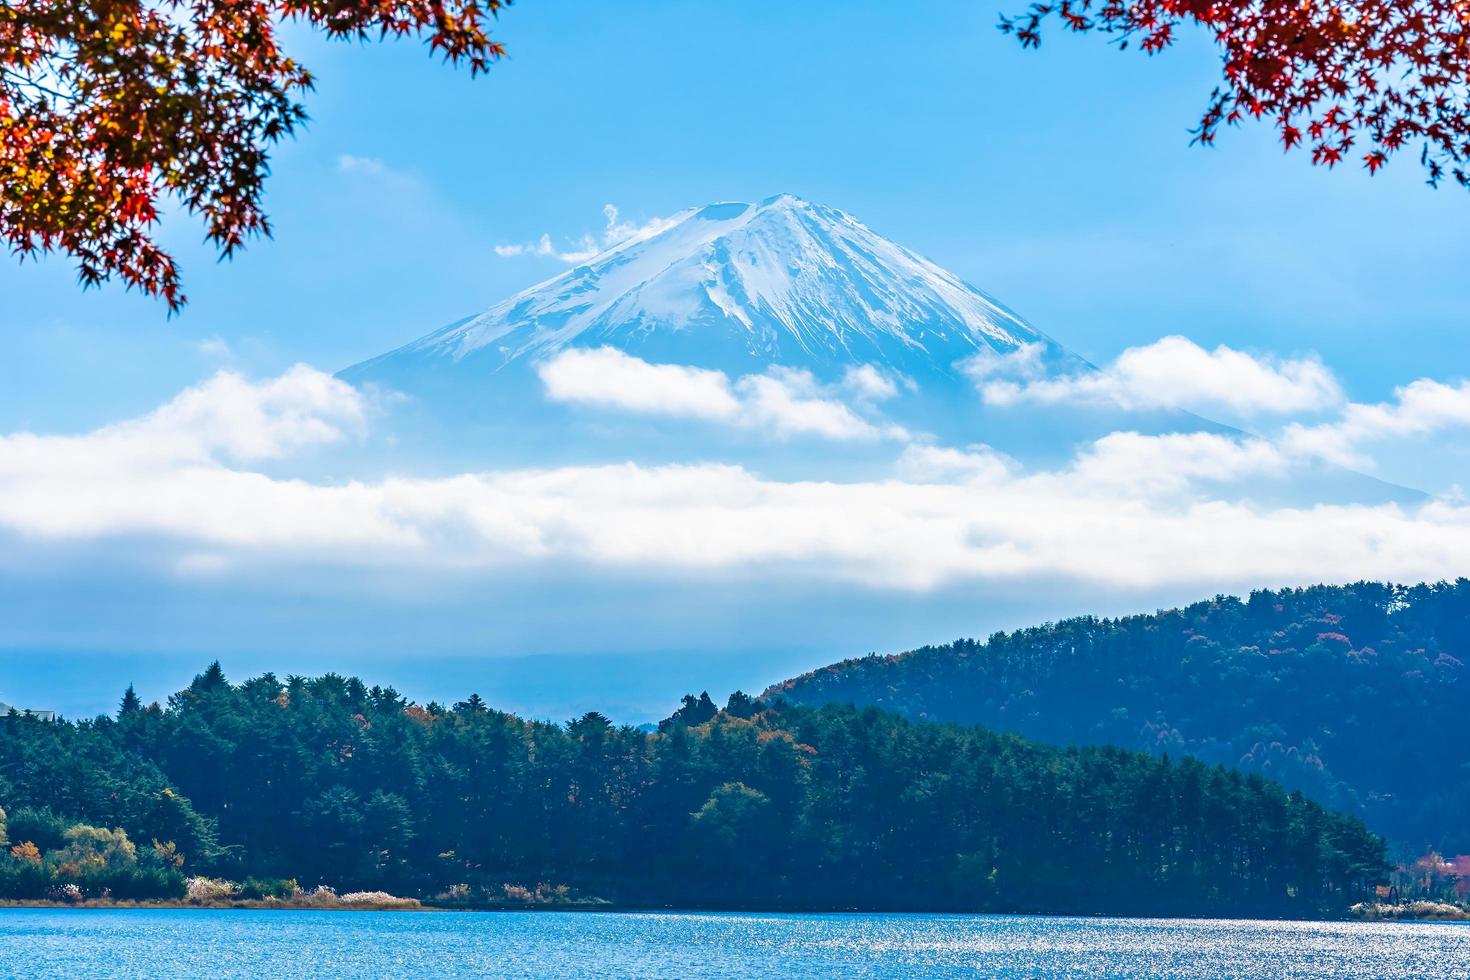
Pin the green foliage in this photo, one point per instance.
(331, 782)
(261, 888)
(173, 819)
(22, 878)
(722, 829)
(740, 705)
(40, 826)
(693, 711)
(1354, 695)
(96, 848)
(91, 862)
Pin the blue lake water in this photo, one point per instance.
(216, 944)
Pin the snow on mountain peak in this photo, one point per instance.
(738, 285)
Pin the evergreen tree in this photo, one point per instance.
(326, 780)
(1355, 695)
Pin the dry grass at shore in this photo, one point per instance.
(397, 905)
(1411, 911)
(217, 893)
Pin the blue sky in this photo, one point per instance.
(1061, 181)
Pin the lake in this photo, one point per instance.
(220, 944)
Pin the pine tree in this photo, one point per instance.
(131, 705)
(212, 679)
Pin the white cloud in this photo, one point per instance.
(1175, 461)
(214, 347)
(791, 403)
(607, 377)
(1419, 409)
(377, 173)
(901, 535)
(225, 417)
(942, 464)
(615, 232)
(369, 166)
(782, 401)
(541, 246)
(1173, 372)
(179, 483)
(867, 383)
(1023, 362)
(618, 231)
(250, 421)
(171, 469)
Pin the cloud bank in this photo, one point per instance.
(1420, 409)
(1128, 510)
(782, 402)
(1172, 373)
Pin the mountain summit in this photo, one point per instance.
(740, 287)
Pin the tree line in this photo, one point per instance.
(758, 804)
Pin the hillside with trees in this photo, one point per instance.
(328, 781)
(1356, 695)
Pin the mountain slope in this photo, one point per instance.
(1354, 694)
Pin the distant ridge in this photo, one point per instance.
(1353, 694)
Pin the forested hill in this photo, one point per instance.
(1358, 695)
(328, 781)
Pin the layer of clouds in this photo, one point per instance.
(868, 384)
(793, 403)
(943, 464)
(615, 232)
(1172, 373)
(1128, 510)
(1176, 461)
(227, 418)
(782, 401)
(1025, 362)
(1176, 373)
(608, 378)
(1420, 409)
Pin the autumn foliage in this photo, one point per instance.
(1345, 80)
(109, 106)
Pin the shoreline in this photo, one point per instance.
(1379, 913)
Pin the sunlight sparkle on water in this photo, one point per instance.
(327, 944)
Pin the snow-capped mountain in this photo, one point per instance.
(779, 335)
(740, 287)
